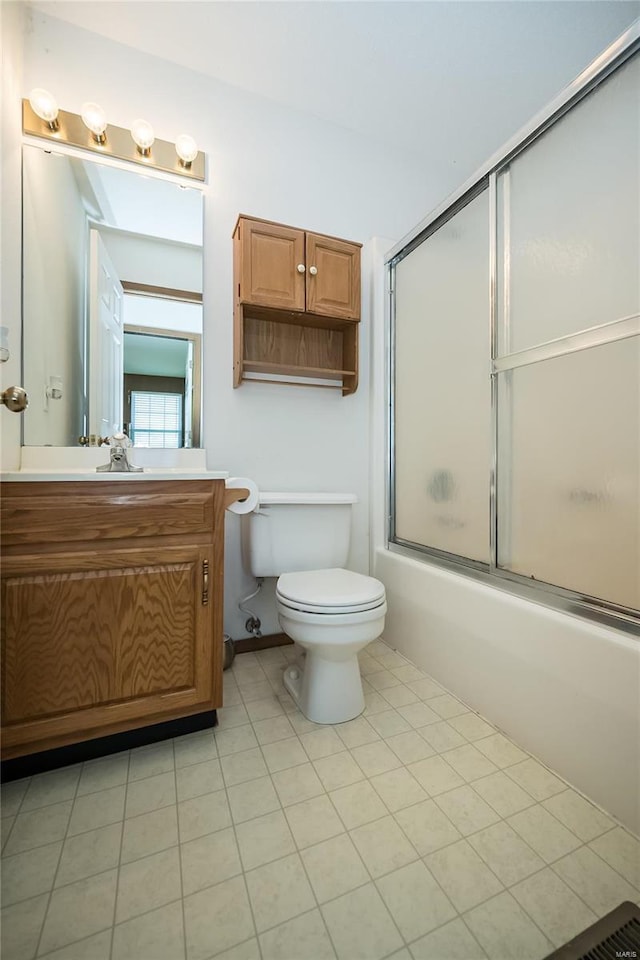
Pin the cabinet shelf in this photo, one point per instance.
(295, 370)
(297, 318)
(294, 318)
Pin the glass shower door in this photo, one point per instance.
(442, 398)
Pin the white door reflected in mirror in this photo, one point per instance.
(106, 341)
(95, 237)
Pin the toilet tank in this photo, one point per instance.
(289, 532)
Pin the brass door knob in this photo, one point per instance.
(15, 399)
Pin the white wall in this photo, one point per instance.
(274, 163)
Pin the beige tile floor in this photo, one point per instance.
(416, 832)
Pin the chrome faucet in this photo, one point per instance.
(119, 459)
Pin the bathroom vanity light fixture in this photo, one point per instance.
(95, 120)
(143, 137)
(187, 150)
(45, 107)
(42, 118)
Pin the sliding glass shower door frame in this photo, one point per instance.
(502, 362)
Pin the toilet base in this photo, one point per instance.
(326, 691)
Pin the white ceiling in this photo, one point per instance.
(420, 75)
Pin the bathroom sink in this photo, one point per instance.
(149, 473)
(79, 463)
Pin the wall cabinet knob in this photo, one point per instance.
(301, 268)
(313, 271)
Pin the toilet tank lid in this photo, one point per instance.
(288, 497)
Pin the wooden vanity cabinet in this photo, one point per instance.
(111, 607)
(297, 304)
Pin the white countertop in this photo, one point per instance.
(79, 463)
(149, 473)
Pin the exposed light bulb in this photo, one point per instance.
(95, 119)
(187, 149)
(44, 106)
(143, 136)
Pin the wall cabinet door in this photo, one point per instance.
(269, 275)
(104, 637)
(333, 277)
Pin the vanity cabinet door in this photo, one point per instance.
(106, 637)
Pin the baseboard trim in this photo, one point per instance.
(251, 644)
(33, 763)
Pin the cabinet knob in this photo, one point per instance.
(301, 268)
(313, 271)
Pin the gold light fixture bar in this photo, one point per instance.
(118, 144)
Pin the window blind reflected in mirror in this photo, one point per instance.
(156, 419)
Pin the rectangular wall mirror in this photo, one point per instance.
(112, 304)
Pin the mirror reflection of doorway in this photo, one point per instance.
(161, 396)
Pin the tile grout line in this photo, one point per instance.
(347, 832)
(318, 905)
(286, 819)
(115, 899)
(464, 837)
(55, 876)
(179, 845)
(235, 837)
(16, 814)
(145, 913)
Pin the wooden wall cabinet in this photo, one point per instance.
(297, 305)
(111, 607)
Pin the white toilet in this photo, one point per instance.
(303, 539)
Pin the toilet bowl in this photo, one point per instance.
(332, 614)
(303, 538)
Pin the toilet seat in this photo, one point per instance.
(333, 591)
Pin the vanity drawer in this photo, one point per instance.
(52, 512)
